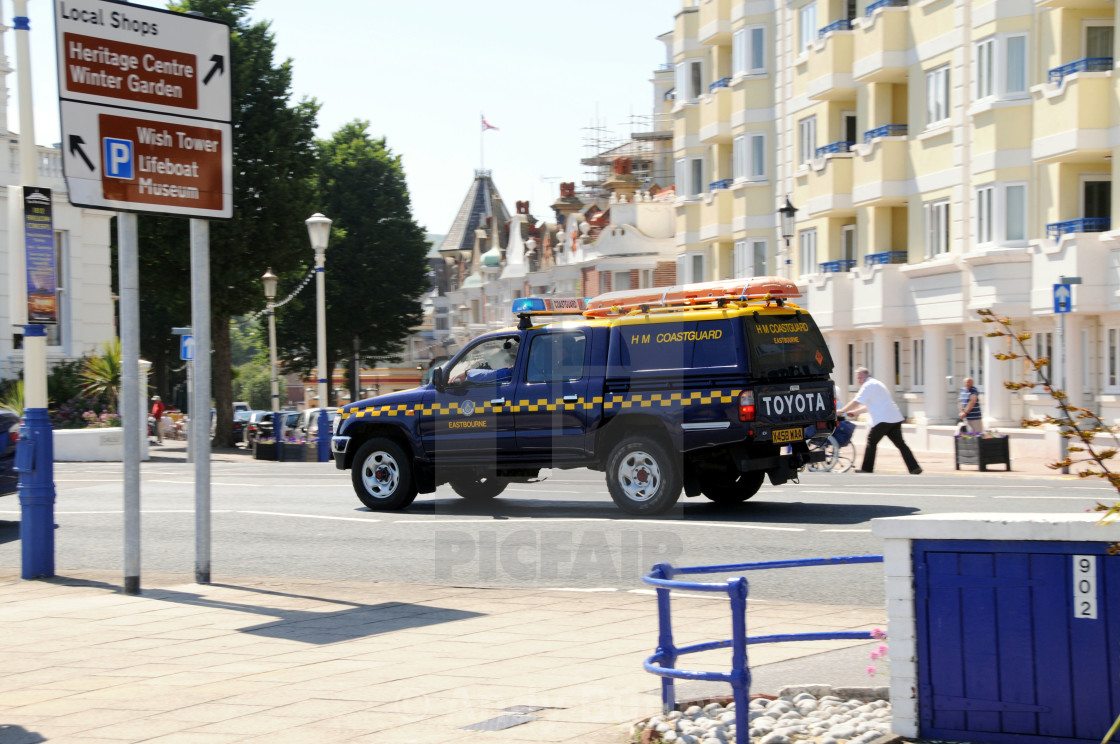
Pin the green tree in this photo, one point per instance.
(376, 270)
(273, 166)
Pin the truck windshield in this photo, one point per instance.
(786, 346)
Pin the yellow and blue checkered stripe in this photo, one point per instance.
(611, 403)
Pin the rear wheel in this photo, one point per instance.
(831, 452)
(382, 475)
(641, 476)
(475, 487)
(731, 487)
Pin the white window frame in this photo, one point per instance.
(687, 267)
(1044, 348)
(807, 251)
(985, 214)
(807, 139)
(756, 156)
(1089, 23)
(938, 227)
(807, 27)
(739, 158)
(645, 278)
(684, 80)
(985, 68)
(760, 254)
(740, 260)
(58, 335)
(975, 358)
(869, 356)
(994, 70)
(696, 182)
(938, 96)
(1112, 360)
(748, 54)
(918, 360)
(848, 246)
(615, 284)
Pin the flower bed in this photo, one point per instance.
(984, 449)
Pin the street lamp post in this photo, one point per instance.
(269, 281)
(319, 230)
(1062, 381)
(786, 214)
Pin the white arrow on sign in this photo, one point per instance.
(1062, 293)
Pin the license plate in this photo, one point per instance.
(788, 435)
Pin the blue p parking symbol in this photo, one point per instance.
(117, 158)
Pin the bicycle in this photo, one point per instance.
(840, 451)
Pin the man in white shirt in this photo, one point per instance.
(886, 420)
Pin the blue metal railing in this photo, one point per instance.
(721, 83)
(671, 94)
(886, 257)
(663, 661)
(872, 7)
(834, 147)
(887, 130)
(1055, 230)
(842, 25)
(839, 266)
(723, 183)
(1085, 64)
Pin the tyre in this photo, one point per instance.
(731, 487)
(642, 477)
(382, 475)
(477, 487)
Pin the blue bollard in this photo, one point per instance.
(35, 465)
(324, 435)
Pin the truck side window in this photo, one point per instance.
(491, 361)
(554, 357)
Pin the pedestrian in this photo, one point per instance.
(969, 405)
(157, 414)
(886, 420)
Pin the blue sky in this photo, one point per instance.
(422, 72)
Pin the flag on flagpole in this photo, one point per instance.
(487, 125)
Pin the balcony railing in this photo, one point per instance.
(887, 130)
(842, 25)
(839, 266)
(723, 183)
(671, 94)
(1085, 64)
(1056, 230)
(886, 257)
(834, 147)
(872, 7)
(721, 83)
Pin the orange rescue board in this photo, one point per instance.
(755, 288)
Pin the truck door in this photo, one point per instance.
(552, 405)
(471, 417)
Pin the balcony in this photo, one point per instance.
(882, 44)
(715, 115)
(887, 130)
(723, 183)
(886, 257)
(826, 187)
(1085, 64)
(880, 172)
(839, 266)
(834, 147)
(828, 76)
(721, 83)
(872, 7)
(714, 23)
(1055, 230)
(1071, 122)
(841, 25)
(829, 297)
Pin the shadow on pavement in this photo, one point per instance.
(305, 626)
(10, 734)
(9, 532)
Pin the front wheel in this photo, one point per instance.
(383, 476)
(727, 489)
(641, 476)
(474, 487)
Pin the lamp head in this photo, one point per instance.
(787, 213)
(319, 230)
(269, 281)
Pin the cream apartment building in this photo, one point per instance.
(944, 156)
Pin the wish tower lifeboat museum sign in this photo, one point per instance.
(145, 103)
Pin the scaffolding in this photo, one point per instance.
(648, 144)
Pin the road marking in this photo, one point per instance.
(142, 511)
(1067, 498)
(934, 495)
(307, 516)
(845, 530)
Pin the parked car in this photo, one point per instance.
(9, 436)
(260, 425)
(308, 426)
(240, 420)
(252, 430)
(240, 405)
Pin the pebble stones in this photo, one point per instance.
(806, 713)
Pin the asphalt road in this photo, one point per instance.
(303, 520)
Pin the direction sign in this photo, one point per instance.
(1063, 298)
(143, 58)
(186, 348)
(145, 102)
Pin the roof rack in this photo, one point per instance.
(693, 296)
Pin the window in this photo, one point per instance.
(620, 280)
(757, 169)
(974, 364)
(898, 364)
(645, 278)
(491, 361)
(748, 259)
(1098, 38)
(918, 360)
(1096, 196)
(851, 364)
(1044, 349)
(848, 242)
(937, 228)
(556, 357)
(1015, 212)
(690, 80)
(937, 96)
(807, 16)
(739, 158)
(747, 51)
(807, 241)
(1001, 66)
(696, 177)
(949, 361)
(807, 139)
(869, 356)
(690, 268)
(758, 251)
(748, 157)
(58, 335)
(1001, 213)
(697, 272)
(1113, 361)
(985, 197)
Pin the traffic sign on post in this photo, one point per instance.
(145, 104)
(1063, 298)
(186, 348)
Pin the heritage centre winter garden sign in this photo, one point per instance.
(145, 107)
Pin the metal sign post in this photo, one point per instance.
(146, 108)
(1063, 304)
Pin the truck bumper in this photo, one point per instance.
(338, 451)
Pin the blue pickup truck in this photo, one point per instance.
(710, 388)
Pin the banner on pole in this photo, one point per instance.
(42, 265)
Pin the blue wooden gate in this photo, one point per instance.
(1008, 652)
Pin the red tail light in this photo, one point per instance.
(13, 436)
(746, 405)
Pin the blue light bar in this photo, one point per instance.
(549, 305)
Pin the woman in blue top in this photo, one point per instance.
(969, 405)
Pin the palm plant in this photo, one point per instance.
(12, 397)
(101, 373)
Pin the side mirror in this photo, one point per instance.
(437, 379)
